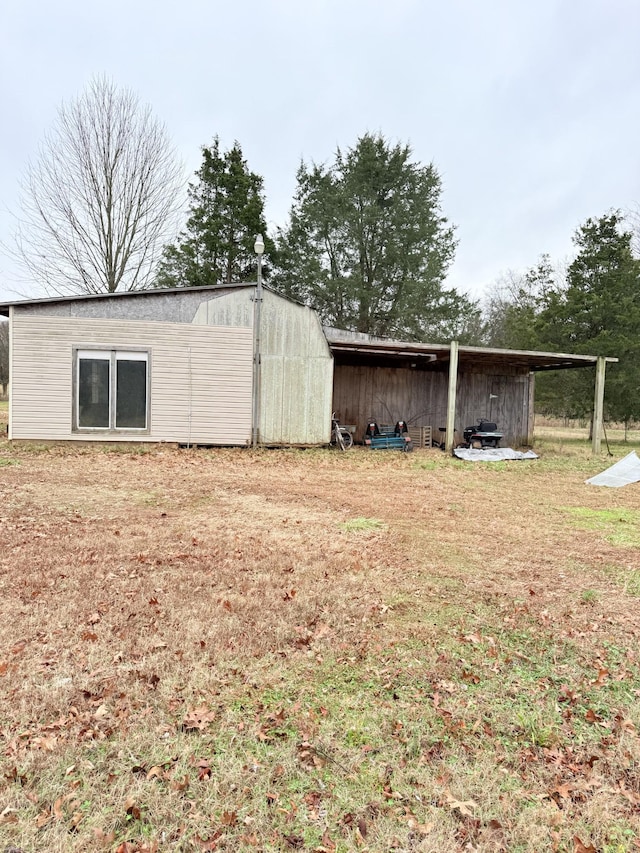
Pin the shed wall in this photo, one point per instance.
(200, 378)
(296, 375)
(387, 394)
(501, 397)
(420, 397)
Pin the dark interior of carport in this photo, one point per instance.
(387, 381)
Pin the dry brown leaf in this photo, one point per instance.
(180, 784)
(43, 818)
(463, 806)
(156, 772)
(580, 847)
(199, 718)
(8, 815)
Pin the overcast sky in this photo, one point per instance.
(529, 110)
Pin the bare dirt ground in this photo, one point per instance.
(279, 650)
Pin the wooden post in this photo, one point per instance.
(531, 409)
(598, 406)
(451, 399)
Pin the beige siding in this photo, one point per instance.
(200, 378)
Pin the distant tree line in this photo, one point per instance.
(366, 245)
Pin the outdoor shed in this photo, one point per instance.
(183, 365)
(240, 364)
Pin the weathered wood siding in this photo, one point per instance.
(227, 309)
(387, 394)
(200, 378)
(420, 397)
(296, 377)
(503, 398)
(296, 365)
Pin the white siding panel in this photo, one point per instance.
(200, 378)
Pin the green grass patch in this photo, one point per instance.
(625, 577)
(358, 524)
(619, 526)
(588, 596)
(427, 465)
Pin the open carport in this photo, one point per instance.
(447, 386)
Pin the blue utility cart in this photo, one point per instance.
(388, 437)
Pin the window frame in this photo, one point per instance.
(111, 354)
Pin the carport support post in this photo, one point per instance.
(598, 405)
(451, 399)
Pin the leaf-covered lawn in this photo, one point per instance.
(306, 650)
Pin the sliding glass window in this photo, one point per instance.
(112, 390)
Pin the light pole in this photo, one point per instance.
(258, 248)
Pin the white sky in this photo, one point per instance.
(529, 110)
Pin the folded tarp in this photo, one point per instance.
(492, 454)
(624, 472)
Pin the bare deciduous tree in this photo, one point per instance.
(633, 219)
(4, 354)
(99, 201)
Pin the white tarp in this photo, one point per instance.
(624, 472)
(492, 454)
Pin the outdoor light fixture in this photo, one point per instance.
(258, 246)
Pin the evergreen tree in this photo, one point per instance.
(226, 211)
(598, 313)
(368, 247)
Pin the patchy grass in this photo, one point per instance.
(285, 650)
(360, 524)
(620, 526)
(626, 576)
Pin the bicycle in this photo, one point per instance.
(340, 436)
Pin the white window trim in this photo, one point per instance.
(112, 354)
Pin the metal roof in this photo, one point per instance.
(356, 347)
